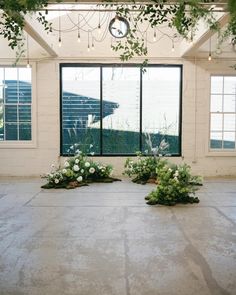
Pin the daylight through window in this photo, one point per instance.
(114, 110)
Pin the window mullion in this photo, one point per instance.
(101, 111)
(141, 111)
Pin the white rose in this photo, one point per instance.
(56, 180)
(76, 168)
(91, 170)
(76, 161)
(79, 179)
(66, 164)
(64, 171)
(82, 171)
(87, 164)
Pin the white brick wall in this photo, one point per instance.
(36, 161)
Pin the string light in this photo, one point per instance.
(59, 39)
(173, 46)
(155, 36)
(99, 22)
(27, 41)
(78, 36)
(209, 55)
(93, 47)
(88, 49)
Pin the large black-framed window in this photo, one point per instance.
(117, 110)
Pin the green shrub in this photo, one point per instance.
(175, 185)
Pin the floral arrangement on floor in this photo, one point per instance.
(78, 171)
(144, 169)
(175, 185)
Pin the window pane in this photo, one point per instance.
(229, 140)
(11, 91)
(80, 109)
(1, 122)
(216, 122)
(160, 110)
(229, 103)
(11, 113)
(230, 85)
(229, 122)
(11, 131)
(121, 95)
(24, 85)
(216, 140)
(24, 113)
(216, 85)
(24, 132)
(216, 103)
(2, 85)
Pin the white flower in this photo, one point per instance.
(91, 170)
(91, 145)
(66, 164)
(64, 171)
(76, 161)
(87, 164)
(176, 173)
(100, 167)
(82, 171)
(76, 168)
(78, 152)
(56, 180)
(170, 170)
(92, 154)
(176, 179)
(79, 179)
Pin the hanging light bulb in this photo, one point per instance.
(99, 29)
(78, 36)
(154, 36)
(27, 41)
(59, 41)
(209, 55)
(99, 22)
(173, 46)
(88, 49)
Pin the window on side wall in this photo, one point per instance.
(15, 104)
(223, 113)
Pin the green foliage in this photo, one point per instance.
(144, 168)
(12, 20)
(175, 185)
(78, 171)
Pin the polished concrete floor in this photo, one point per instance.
(104, 240)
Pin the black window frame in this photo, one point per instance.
(103, 65)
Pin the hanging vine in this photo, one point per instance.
(183, 16)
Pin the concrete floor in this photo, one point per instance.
(104, 240)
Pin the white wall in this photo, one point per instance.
(196, 85)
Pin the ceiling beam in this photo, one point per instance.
(41, 38)
(197, 43)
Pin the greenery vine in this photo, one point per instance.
(183, 16)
